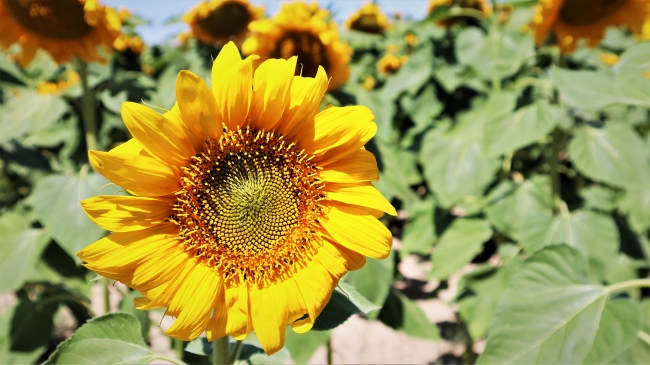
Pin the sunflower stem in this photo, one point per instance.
(220, 351)
(329, 350)
(555, 175)
(87, 105)
(235, 352)
(107, 296)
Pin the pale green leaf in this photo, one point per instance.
(554, 314)
(19, 253)
(460, 242)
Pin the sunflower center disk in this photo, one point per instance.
(309, 49)
(57, 19)
(249, 206)
(367, 23)
(584, 12)
(226, 21)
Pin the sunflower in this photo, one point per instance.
(248, 203)
(369, 19)
(302, 30)
(484, 6)
(220, 21)
(572, 20)
(389, 64)
(63, 28)
(55, 87)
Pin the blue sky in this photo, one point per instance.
(159, 11)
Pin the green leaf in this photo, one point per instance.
(31, 325)
(373, 281)
(594, 235)
(55, 199)
(497, 54)
(424, 107)
(419, 232)
(29, 112)
(113, 338)
(636, 204)
(453, 162)
(127, 306)
(7, 356)
(19, 253)
(614, 155)
(511, 212)
(302, 346)
(599, 197)
(410, 77)
(344, 303)
(478, 310)
(406, 316)
(526, 126)
(458, 245)
(631, 70)
(554, 314)
(588, 90)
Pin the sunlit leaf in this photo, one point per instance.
(458, 245)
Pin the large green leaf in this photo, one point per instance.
(113, 338)
(19, 253)
(419, 233)
(373, 281)
(614, 155)
(487, 291)
(344, 303)
(526, 126)
(510, 212)
(56, 202)
(593, 234)
(458, 245)
(632, 69)
(406, 316)
(127, 306)
(29, 112)
(303, 345)
(8, 356)
(410, 77)
(453, 162)
(497, 54)
(636, 203)
(554, 314)
(424, 107)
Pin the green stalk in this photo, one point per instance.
(554, 160)
(629, 284)
(87, 106)
(235, 352)
(220, 351)
(107, 296)
(329, 350)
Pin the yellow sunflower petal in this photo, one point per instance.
(194, 303)
(341, 128)
(238, 323)
(232, 85)
(357, 230)
(272, 86)
(197, 138)
(122, 251)
(157, 135)
(353, 260)
(127, 213)
(166, 293)
(316, 285)
(306, 95)
(362, 194)
(354, 168)
(197, 105)
(332, 260)
(217, 325)
(131, 146)
(143, 176)
(152, 276)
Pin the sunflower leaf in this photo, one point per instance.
(110, 339)
(553, 313)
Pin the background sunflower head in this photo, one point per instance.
(306, 31)
(573, 20)
(483, 6)
(219, 21)
(369, 19)
(63, 28)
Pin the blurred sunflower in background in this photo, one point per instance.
(369, 19)
(69, 79)
(248, 203)
(482, 6)
(219, 21)
(128, 42)
(63, 28)
(573, 20)
(306, 31)
(389, 64)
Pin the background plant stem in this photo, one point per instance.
(87, 106)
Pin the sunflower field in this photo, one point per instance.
(277, 186)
